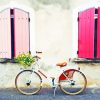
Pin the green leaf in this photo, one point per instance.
(25, 59)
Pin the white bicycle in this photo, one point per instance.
(70, 81)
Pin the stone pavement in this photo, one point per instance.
(47, 94)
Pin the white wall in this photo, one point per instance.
(54, 31)
(53, 28)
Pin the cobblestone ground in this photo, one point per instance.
(47, 94)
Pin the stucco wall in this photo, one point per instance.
(54, 27)
(54, 32)
(9, 71)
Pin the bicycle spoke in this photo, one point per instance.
(74, 84)
(28, 82)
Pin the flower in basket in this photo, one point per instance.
(25, 59)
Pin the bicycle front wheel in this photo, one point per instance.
(72, 82)
(28, 82)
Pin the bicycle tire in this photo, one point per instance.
(66, 85)
(24, 86)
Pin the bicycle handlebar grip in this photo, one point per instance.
(38, 51)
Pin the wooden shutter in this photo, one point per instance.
(5, 34)
(86, 34)
(21, 31)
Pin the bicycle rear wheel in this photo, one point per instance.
(72, 82)
(28, 82)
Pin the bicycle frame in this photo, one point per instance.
(55, 80)
(64, 75)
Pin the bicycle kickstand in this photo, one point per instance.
(55, 88)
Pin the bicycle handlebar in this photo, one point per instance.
(37, 57)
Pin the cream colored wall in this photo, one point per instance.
(53, 31)
(57, 29)
(54, 27)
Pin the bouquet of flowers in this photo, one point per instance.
(25, 59)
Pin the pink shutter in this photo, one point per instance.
(5, 34)
(86, 34)
(21, 31)
(98, 34)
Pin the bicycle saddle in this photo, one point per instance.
(61, 64)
